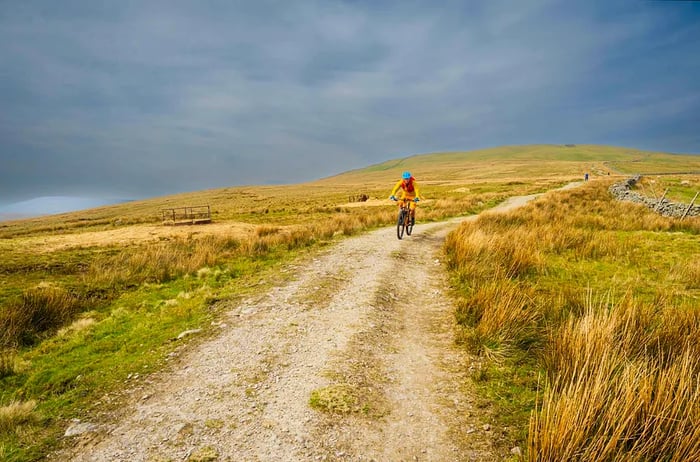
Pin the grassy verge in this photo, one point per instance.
(78, 371)
(584, 312)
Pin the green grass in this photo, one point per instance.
(71, 372)
(511, 386)
(338, 398)
(678, 188)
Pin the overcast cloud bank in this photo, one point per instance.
(145, 98)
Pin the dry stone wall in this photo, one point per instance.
(623, 191)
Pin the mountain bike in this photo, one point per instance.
(405, 221)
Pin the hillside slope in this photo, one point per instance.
(438, 170)
(524, 162)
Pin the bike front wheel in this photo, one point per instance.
(400, 224)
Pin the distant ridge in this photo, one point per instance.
(453, 164)
(516, 163)
(52, 205)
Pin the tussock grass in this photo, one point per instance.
(8, 362)
(689, 273)
(38, 311)
(630, 329)
(620, 372)
(18, 414)
(266, 230)
(476, 253)
(615, 409)
(500, 316)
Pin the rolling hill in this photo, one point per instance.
(438, 170)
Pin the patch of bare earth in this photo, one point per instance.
(365, 328)
(129, 235)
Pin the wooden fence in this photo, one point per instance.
(187, 215)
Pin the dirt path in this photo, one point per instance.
(365, 327)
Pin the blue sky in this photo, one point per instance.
(132, 99)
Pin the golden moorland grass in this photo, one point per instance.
(600, 299)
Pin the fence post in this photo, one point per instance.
(691, 205)
(660, 201)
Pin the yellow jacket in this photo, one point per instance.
(409, 188)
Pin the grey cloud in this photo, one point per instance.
(123, 95)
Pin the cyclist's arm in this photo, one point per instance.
(396, 188)
(415, 187)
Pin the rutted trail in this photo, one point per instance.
(429, 415)
(369, 315)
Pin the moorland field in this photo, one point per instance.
(582, 313)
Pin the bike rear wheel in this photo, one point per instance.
(409, 223)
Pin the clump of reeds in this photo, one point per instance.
(39, 310)
(622, 385)
(476, 253)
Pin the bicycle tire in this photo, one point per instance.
(409, 225)
(400, 224)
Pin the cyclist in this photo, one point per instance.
(409, 188)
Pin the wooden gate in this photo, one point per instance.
(187, 215)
